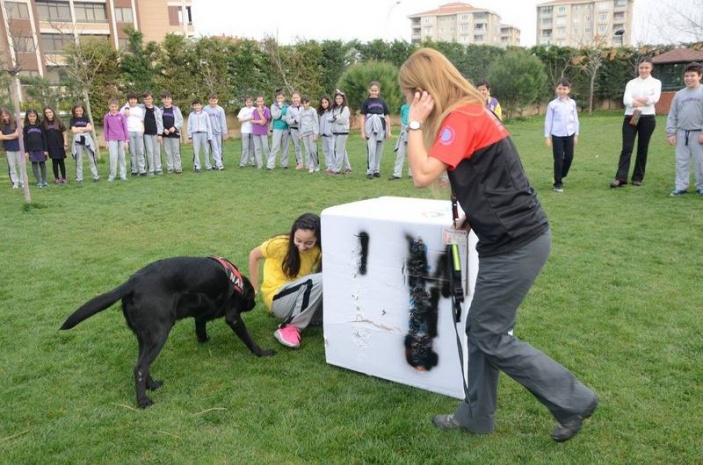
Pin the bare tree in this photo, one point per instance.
(85, 59)
(17, 40)
(673, 22)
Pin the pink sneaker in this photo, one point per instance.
(289, 336)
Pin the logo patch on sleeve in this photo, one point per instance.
(447, 137)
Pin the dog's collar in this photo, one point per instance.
(232, 273)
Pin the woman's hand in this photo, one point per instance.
(421, 106)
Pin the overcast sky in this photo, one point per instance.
(290, 20)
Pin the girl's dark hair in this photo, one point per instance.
(320, 110)
(30, 112)
(12, 124)
(334, 99)
(311, 222)
(78, 105)
(563, 82)
(45, 122)
(483, 82)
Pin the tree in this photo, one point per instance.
(139, 63)
(93, 64)
(247, 69)
(518, 78)
(178, 70)
(674, 22)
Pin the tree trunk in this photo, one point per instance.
(89, 111)
(15, 87)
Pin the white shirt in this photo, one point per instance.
(649, 88)
(245, 112)
(135, 120)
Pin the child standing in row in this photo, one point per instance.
(561, 131)
(293, 120)
(491, 102)
(279, 140)
(56, 143)
(35, 146)
(375, 128)
(324, 112)
(200, 132)
(309, 130)
(218, 125)
(153, 128)
(340, 132)
(10, 137)
(135, 126)
(683, 129)
(116, 137)
(260, 131)
(83, 142)
(244, 116)
(172, 119)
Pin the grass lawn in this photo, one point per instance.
(618, 303)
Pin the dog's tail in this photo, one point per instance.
(97, 304)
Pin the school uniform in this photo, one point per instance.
(83, 143)
(218, 125)
(200, 132)
(340, 131)
(172, 117)
(15, 161)
(374, 111)
(135, 128)
(247, 156)
(280, 137)
(116, 134)
(326, 138)
(153, 128)
(308, 130)
(260, 134)
(293, 120)
(35, 146)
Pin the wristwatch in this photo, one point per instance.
(414, 125)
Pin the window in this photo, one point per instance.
(561, 32)
(478, 39)
(547, 33)
(464, 17)
(54, 43)
(603, 17)
(90, 12)
(479, 16)
(546, 21)
(479, 26)
(124, 15)
(561, 10)
(24, 44)
(546, 10)
(620, 3)
(189, 16)
(16, 10)
(53, 11)
(602, 29)
(464, 28)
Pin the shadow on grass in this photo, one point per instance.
(29, 206)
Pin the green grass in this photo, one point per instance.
(618, 303)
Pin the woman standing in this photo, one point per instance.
(641, 94)
(450, 129)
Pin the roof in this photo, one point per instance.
(678, 55)
(451, 9)
(563, 2)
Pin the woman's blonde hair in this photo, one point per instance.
(429, 70)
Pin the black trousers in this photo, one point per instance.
(643, 132)
(563, 151)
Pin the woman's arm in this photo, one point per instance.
(425, 169)
(255, 257)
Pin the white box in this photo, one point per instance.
(366, 301)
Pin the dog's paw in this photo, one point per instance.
(266, 353)
(154, 385)
(145, 402)
(204, 339)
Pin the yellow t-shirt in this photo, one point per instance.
(274, 251)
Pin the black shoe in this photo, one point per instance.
(393, 178)
(446, 421)
(377, 174)
(617, 183)
(637, 183)
(565, 431)
(369, 176)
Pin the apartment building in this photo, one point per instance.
(462, 23)
(584, 23)
(36, 32)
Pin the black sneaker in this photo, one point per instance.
(565, 431)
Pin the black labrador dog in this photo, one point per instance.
(165, 291)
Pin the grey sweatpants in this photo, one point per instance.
(501, 285)
(688, 148)
(172, 147)
(297, 303)
(136, 152)
(279, 143)
(374, 152)
(201, 142)
(153, 153)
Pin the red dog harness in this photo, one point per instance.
(232, 273)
